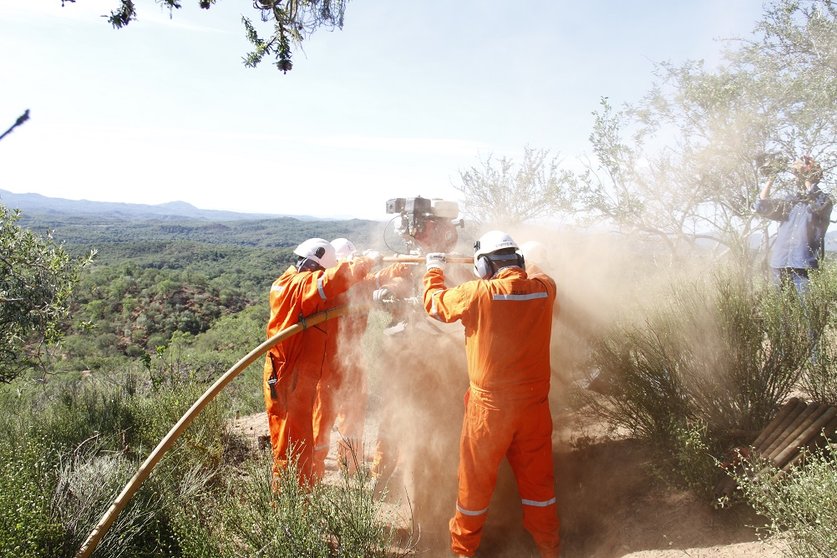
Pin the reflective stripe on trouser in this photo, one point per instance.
(523, 434)
(290, 422)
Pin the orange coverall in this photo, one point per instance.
(342, 386)
(508, 322)
(294, 367)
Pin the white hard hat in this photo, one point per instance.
(491, 242)
(317, 250)
(344, 248)
(486, 262)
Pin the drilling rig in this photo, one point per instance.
(426, 225)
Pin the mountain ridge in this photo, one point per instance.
(38, 203)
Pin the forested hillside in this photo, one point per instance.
(155, 278)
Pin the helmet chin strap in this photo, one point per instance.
(307, 264)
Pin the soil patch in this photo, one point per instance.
(611, 504)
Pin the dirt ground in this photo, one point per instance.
(611, 505)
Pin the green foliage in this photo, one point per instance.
(283, 519)
(681, 165)
(88, 481)
(127, 308)
(212, 353)
(37, 277)
(800, 505)
(819, 379)
(692, 462)
(293, 21)
(180, 278)
(69, 447)
(154, 322)
(717, 359)
(751, 343)
(27, 529)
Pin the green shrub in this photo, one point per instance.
(91, 435)
(88, 482)
(691, 461)
(747, 351)
(717, 359)
(211, 354)
(37, 279)
(27, 529)
(282, 519)
(69, 412)
(800, 505)
(819, 380)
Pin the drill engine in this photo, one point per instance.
(426, 225)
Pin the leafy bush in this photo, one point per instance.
(37, 277)
(129, 308)
(282, 519)
(86, 438)
(27, 529)
(799, 505)
(88, 482)
(714, 361)
(820, 376)
(215, 351)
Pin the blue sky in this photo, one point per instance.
(396, 104)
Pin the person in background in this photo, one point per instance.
(294, 367)
(507, 316)
(341, 393)
(803, 221)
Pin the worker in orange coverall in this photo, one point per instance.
(294, 367)
(342, 389)
(507, 315)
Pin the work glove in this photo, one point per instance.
(435, 260)
(375, 256)
(382, 295)
(400, 270)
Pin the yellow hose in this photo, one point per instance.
(151, 461)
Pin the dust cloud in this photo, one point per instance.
(416, 375)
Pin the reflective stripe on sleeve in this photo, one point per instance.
(530, 296)
(538, 503)
(320, 288)
(472, 513)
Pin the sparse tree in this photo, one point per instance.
(37, 277)
(292, 22)
(683, 164)
(500, 191)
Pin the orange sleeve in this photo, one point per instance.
(390, 273)
(324, 287)
(446, 305)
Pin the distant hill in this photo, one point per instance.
(36, 203)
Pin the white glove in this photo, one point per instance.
(382, 295)
(374, 255)
(435, 260)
